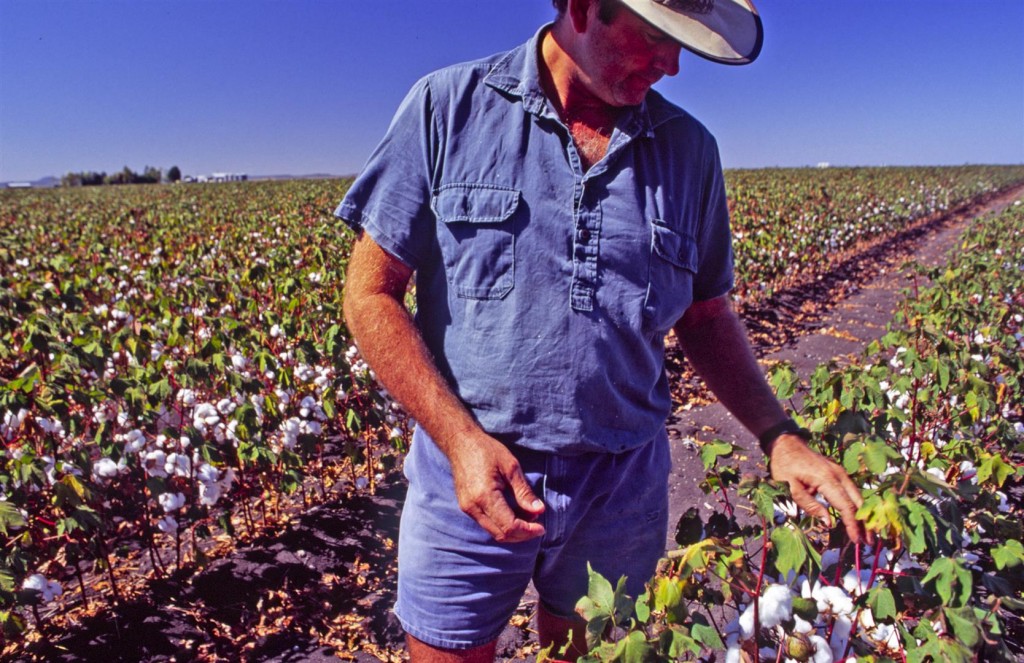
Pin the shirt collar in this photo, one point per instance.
(518, 74)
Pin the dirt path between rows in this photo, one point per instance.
(322, 589)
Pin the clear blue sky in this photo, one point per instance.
(308, 86)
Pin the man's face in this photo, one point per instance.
(623, 58)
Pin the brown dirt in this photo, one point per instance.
(321, 588)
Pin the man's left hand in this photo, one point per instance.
(808, 473)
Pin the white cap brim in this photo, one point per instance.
(730, 32)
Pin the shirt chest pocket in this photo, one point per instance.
(670, 283)
(476, 234)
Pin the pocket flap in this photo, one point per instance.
(474, 203)
(677, 248)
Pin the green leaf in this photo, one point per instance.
(1008, 555)
(877, 455)
(675, 643)
(705, 634)
(994, 466)
(951, 580)
(634, 648)
(964, 625)
(599, 603)
(882, 603)
(710, 452)
(643, 607)
(790, 548)
(10, 517)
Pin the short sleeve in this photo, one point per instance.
(390, 199)
(715, 268)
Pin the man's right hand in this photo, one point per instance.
(485, 471)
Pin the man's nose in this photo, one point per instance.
(668, 58)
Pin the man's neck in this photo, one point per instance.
(565, 85)
(590, 119)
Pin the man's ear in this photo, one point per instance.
(579, 13)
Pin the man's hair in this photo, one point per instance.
(606, 11)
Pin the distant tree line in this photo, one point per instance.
(149, 175)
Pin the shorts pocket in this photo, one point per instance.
(477, 238)
(670, 283)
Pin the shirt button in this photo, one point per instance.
(584, 236)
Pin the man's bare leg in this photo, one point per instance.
(553, 629)
(421, 652)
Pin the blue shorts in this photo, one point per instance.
(458, 587)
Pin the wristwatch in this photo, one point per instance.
(787, 426)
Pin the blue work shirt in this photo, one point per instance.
(544, 291)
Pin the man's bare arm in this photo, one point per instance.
(388, 339)
(716, 344)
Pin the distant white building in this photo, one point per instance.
(824, 164)
(228, 177)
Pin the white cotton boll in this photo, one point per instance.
(226, 406)
(238, 362)
(154, 463)
(187, 397)
(775, 605)
(362, 482)
(1004, 505)
(856, 584)
(134, 441)
(746, 623)
(48, 589)
(732, 654)
(312, 427)
(168, 525)
(968, 472)
(209, 493)
(171, 501)
(832, 600)
(207, 473)
(801, 626)
(104, 468)
(822, 652)
(396, 434)
(886, 635)
(276, 331)
(178, 465)
(840, 635)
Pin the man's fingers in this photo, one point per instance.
(497, 518)
(524, 495)
(805, 500)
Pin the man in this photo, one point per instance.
(560, 218)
